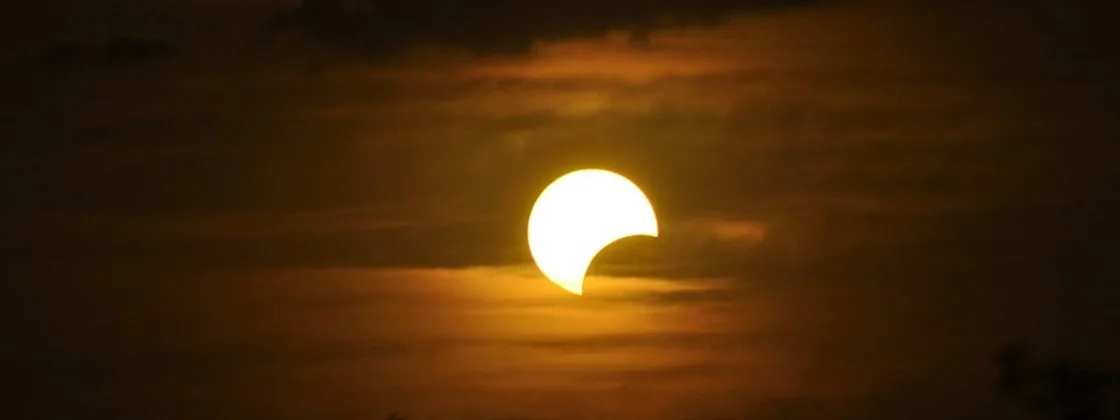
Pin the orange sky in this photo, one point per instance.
(859, 202)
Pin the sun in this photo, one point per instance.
(578, 215)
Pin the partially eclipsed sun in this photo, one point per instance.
(578, 215)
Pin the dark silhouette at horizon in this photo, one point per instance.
(1061, 389)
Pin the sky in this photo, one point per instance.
(317, 208)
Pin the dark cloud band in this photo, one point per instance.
(495, 26)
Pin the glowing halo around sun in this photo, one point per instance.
(578, 215)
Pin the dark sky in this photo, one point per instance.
(316, 209)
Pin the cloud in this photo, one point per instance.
(661, 339)
(739, 232)
(116, 51)
(494, 27)
(763, 122)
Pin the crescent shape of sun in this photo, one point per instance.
(578, 215)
